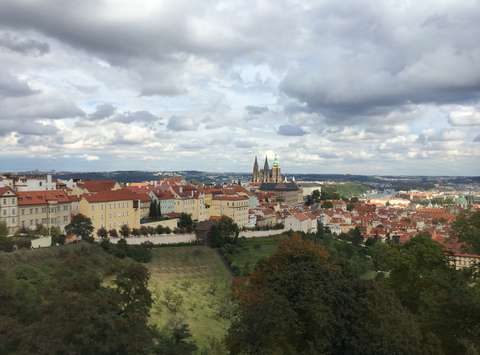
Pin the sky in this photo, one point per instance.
(358, 87)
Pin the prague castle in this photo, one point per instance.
(267, 175)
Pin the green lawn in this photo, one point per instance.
(350, 189)
(252, 250)
(193, 284)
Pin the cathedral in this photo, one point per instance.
(267, 175)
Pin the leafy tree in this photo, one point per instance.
(113, 233)
(41, 230)
(80, 226)
(467, 228)
(323, 309)
(3, 230)
(225, 231)
(316, 195)
(7, 244)
(125, 231)
(102, 233)
(327, 204)
(144, 231)
(159, 229)
(441, 297)
(135, 232)
(185, 222)
(175, 339)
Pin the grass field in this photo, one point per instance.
(193, 284)
(251, 251)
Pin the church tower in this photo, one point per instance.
(276, 175)
(256, 173)
(266, 171)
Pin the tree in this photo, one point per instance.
(125, 231)
(3, 230)
(102, 233)
(80, 226)
(324, 310)
(153, 212)
(113, 233)
(7, 244)
(316, 195)
(144, 231)
(441, 297)
(327, 204)
(225, 231)
(175, 339)
(185, 222)
(467, 228)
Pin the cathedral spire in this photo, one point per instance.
(255, 173)
(266, 171)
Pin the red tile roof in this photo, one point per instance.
(41, 197)
(97, 185)
(229, 197)
(4, 190)
(110, 196)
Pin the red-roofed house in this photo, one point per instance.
(51, 208)
(112, 209)
(95, 186)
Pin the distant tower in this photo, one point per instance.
(276, 175)
(266, 171)
(255, 174)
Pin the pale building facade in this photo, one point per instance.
(8, 208)
(111, 209)
(51, 208)
(233, 206)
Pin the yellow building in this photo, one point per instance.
(233, 206)
(111, 209)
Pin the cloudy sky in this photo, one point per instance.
(366, 87)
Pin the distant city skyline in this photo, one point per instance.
(367, 88)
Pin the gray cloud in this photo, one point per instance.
(477, 138)
(136, 116)
(38, 107)
(25, 46)
(181, 123)
(290, 130)
(102, 111)
(10, 86)
(26, 127)
(256, 110)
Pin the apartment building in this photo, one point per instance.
(112, 209)
(51, 208)
(8, 208)
(233, 206)
(28, 182)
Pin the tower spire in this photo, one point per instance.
(266, 171)
(255, 174)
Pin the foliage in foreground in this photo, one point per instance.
(324, 310)
(63, 305)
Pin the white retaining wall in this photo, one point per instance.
(260, 234)
(159, 239)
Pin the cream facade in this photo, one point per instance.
(110, 212)
(46, 208)
(233, 206)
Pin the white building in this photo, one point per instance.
(8, 208)
(301, 222)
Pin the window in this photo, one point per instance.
(31, 210)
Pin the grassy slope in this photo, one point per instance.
(197, 275)
(251, 251)
(351, 189)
